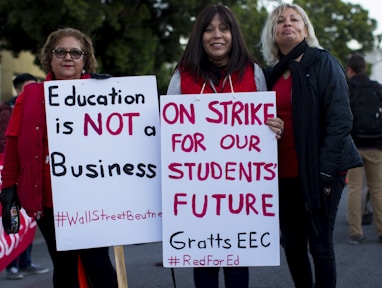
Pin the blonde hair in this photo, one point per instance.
(269, 47)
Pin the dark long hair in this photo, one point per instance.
(195, 60)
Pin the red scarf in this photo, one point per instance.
(243, 84)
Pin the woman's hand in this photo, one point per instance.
(276, 125)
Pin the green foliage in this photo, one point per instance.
(251, 19)
(141, 37)
(337, 23)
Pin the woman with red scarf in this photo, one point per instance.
(216, 60)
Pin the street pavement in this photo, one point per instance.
(357, 266)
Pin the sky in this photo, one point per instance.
(374, 11)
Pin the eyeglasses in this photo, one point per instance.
(74, 53)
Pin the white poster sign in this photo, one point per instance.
(104, 147)
(219, 180)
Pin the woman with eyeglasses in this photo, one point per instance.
(67, 54)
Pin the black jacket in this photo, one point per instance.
(322, 130)
(354, 82)
(332, 150)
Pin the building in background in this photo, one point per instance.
(375, 59)
(10, 66)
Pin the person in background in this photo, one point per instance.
(216, 60)
(367, 211)
(316, 149)
(21, 265)
(370, 149)
(67, 54)
(6, 107)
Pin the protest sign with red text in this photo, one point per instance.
(219, 180)
(104, 155)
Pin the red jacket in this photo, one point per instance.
(26, 150)
(245, 84)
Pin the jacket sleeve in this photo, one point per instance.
(16, 116)
(174, 85)
(261, 84)
(11, 163)
(337, 153)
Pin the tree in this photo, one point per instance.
(141, 37)
(337, 23)
(130, 37)
(251, 17)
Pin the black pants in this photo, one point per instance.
(234, 277)
(302, 230)
(96, 261)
